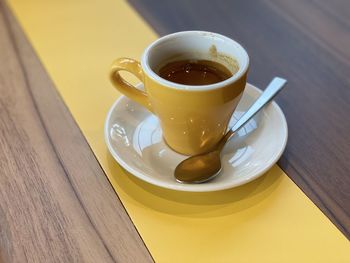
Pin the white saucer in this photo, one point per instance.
(134, 138)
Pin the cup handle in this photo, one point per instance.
(134, 67)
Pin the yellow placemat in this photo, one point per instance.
(268, 220)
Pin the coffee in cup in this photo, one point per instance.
(195, 72)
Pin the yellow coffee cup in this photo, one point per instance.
(193, 118)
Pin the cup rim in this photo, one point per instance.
(147, 69)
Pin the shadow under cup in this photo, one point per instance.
(194, 118)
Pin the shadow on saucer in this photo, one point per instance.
(192, 204)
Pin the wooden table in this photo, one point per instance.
(41, 145)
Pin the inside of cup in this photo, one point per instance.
(197, 45)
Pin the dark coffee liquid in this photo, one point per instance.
(194, 72)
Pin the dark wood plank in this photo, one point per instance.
(307, 42)
(56, 203)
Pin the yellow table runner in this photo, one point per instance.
(268, 220)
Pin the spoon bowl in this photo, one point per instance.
(199, 168)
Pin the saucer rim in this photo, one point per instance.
(195, 187)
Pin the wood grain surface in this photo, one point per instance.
(56, 203)
(308, 43)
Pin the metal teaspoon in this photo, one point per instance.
(204, 167)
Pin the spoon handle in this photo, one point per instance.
(269, 93)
